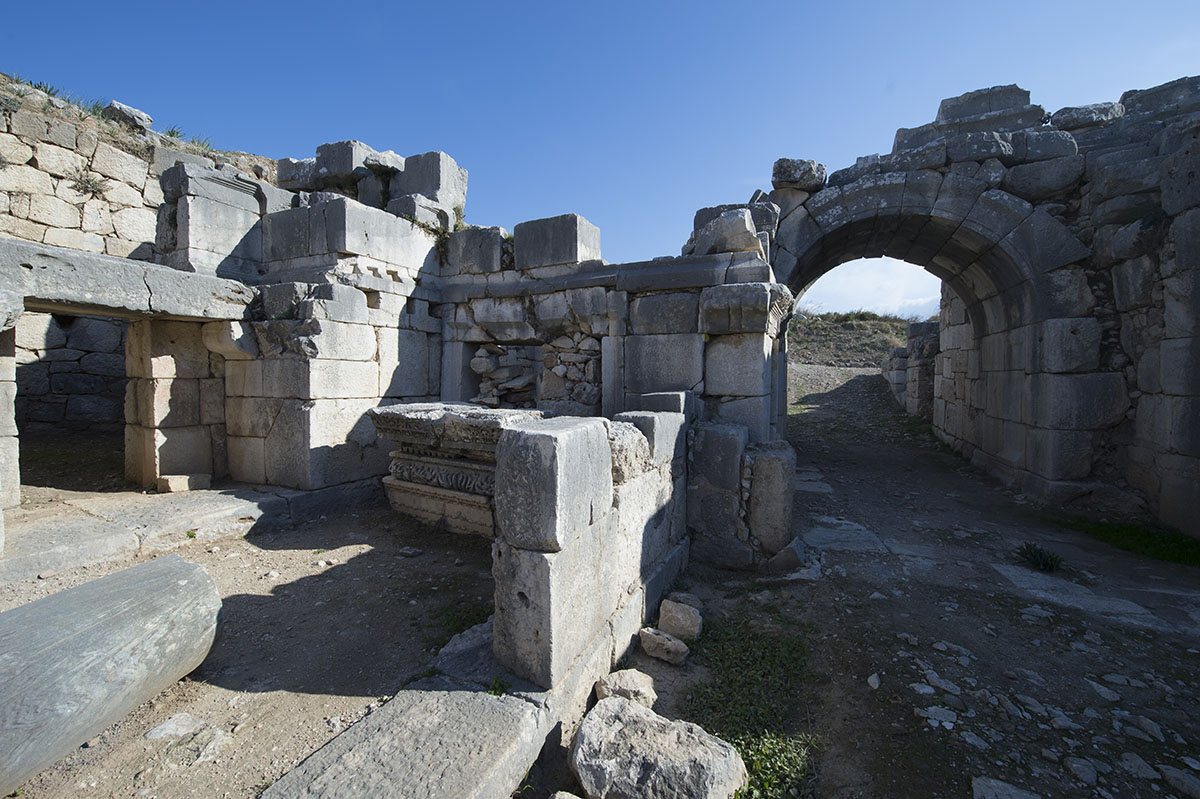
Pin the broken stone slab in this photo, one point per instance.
(177, 726)
(791, 557)
(981, 101)
(108, 645)
(127, 115)
(658, 644)
(296, 174)
(435, 738)
(732, 231)
(631, 684)
(625, 750)
(630, 451)
(797, 173)
(1083, 116)
(679, 620)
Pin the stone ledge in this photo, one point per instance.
(56, 278)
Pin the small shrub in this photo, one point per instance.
(498, 687)
(1038, 557)
(191, 533)
(175, 132)
(203, 144)
(86, 183)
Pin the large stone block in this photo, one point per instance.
(562, 239)
(664, 363)
(166, 349)
(754, 413)
(435, 175)
(664, 313)
(1179, 366)
(982, 101)
(403, 363)
(798, 174)
(475, 251)
(743, 307)
(1070, 345)
(553, 480)
(1059, 454)
(1076, 402)
(217, 228)
(344, 226)
(550, 605)
(772, 470)
(738, 365)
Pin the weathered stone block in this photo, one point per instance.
(1179, 368)
(1075, 117)
(717, 455)
(743, 307)
(664, 313)
(435, 175)
(119, 165)
(562, 239)
(1070, 345)
(475, 251)
(732, 231)
(403, 363)
(553, 480)
(799, 174)
(738, 365)
(345, 226)
(630, 451)
(666, 433)
(979, 146)
(982, 101)
(755, 413)
(550, 605)
(166, 349)
(1043, 179)
(773, 468)
(1059, 454)
(1075, 402)
(664, 363)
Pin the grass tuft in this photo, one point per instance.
(757, 677)
(1038, 557)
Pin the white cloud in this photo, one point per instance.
(883, 285)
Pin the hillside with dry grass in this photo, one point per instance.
(857, 338)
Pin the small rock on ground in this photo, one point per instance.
(630, 684)
(682, 621)
(658, 644)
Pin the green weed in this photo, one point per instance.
(1038, 557)
(757, 677)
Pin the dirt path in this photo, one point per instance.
(1065, 684)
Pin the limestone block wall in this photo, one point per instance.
(895, 372)
(298, 386)
(63, 182)
(70, 372)
(591, 529)
(174, 403)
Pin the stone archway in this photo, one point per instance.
(1019, 394)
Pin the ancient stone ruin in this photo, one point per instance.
(338, 327)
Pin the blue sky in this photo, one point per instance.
(632, 114)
